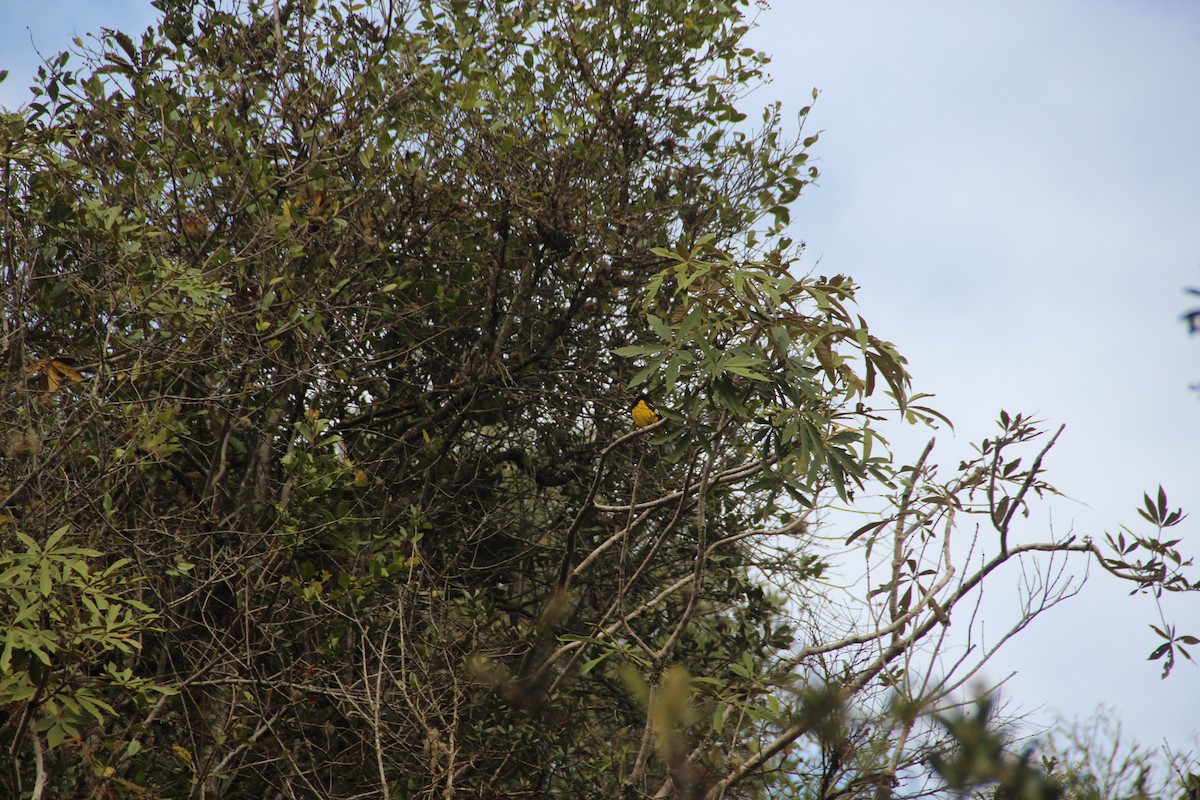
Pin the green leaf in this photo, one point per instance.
(660, 328)
(588, 666)
(746, 372)
(633, 350)
(127, 45)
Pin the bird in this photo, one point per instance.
(195, 226)
(643, 413)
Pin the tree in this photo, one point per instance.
(1192, 317)
(1102, 761)
(321, 326)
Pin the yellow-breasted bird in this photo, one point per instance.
(643, 413)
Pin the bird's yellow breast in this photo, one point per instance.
(643, 414)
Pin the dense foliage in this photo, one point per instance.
(321, 325)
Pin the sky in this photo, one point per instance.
(1016, 187)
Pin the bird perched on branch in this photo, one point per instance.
(643, 413)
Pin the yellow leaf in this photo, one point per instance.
(52, 373)
(66, 370)
(182, 753)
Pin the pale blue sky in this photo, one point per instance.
(49, 25)
(1017, 188)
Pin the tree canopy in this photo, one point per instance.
(322, 322)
